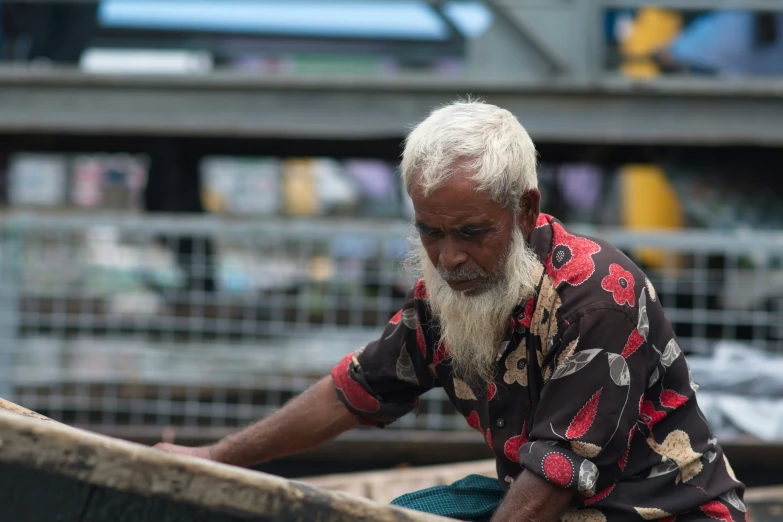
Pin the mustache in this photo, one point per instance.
(459, 275)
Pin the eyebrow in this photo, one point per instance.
(423, 226)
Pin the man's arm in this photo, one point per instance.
(309, 420)
(533, 499)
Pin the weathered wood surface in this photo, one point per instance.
(49, 471)
(15, 408)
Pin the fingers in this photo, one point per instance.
(183, 450)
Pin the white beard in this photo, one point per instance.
(473, 324)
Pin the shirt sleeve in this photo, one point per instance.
(590, 403)
(382, 381)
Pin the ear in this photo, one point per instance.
(529, 208)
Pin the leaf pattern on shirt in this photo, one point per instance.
(635, 340)
(584, 418)
(654, 378)
(716, 510)
(404, 368)
(643, 324)
(462, 390)
(618, 370)
(670, 353)
(585, 449)
(624, 458)
(651, 513)
(567, 352)
(407, 317)
(576, 362)
(672, 399)
(666, 466)
(732, 498)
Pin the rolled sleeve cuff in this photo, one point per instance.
(353, 391)
(560, 466)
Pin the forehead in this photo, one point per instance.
(458, 198)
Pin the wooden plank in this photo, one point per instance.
(15, 408)
(118, 468)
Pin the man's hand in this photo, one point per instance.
(204, 452)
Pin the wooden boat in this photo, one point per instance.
(49, 471)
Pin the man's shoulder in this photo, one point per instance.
(591, 274)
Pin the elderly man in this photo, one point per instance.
(552, 345)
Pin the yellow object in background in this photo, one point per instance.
(649, 202)
(652, 30)
(300, 190)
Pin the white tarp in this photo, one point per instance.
(741, 391)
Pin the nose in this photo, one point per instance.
(451, 256)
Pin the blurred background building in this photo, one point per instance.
(200, 209)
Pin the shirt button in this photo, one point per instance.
(501, 422)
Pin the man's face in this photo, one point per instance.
(466, 235)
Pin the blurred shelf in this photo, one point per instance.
(677, 111)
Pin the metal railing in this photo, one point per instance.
(131, 325)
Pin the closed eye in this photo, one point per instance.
(424, 230)
(470, 232)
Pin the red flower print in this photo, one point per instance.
(542, 220)
(420, 291)
(599, 496)
(672, 399)
(716, 510)
(474, 422)
(441, 353)
(558, 469)
(571, 258)
(354, 393)
(624, 459)
(650, 416)
(489, 437)
(620, 282)
(635, 340)
(512, 445)
(492, 390)
(584, 419)
(526, 315)
(396, 318)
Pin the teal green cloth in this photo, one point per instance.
(473, 498)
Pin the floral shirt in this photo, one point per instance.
(591, 390)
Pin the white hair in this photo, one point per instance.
(478, 136)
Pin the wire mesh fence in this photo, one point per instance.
(130, 325)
